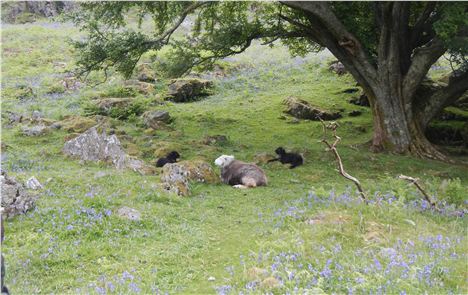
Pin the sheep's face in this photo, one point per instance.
(224, 160)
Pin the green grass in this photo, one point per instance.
(73, 242)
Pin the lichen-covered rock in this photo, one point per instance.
(15, 198)
(145, 73)
(301, 109)
(154, 119)
(106, 104)
(175, 179)
(186, 90)
(95, 145)
(200, 171)
(37, 130)
(139, 86)
(129, 213)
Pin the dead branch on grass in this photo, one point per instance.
(332, 147)
(414, 181)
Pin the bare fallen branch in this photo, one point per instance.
(332, 147)
(414, 181)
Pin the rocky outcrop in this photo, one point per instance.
(301, 109)
(15, 198)
(186, 90)
(95, 145)
(15, 11)
(136, 86)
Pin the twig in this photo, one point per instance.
(419, 187)
(332, 147)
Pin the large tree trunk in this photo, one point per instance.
(395, 130)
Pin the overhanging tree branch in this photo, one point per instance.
(443, 97)
(423, 58)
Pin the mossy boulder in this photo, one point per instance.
(301, 109)
(144, 88)
(76, 124)
(200, 171)
(145, 73)
(186, 90)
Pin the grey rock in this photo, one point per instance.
(14, 118)
(129, 213)
(301, 109)
(153, 119)
(36, 116)
(97, 146)
(33, 183)
(56, 125)
(37, 130)
(15, 198)
(175, 179)
(94, 145)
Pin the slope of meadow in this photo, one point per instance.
(307, 230)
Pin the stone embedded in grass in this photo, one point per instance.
(129, 213)
(301, 109)
(155, 119)
(186, 90)
(33, 183)
(15, 198)
(106, 104)
(263, 158)
(215, 139)
(37, 130)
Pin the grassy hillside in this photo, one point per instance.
(307, 230)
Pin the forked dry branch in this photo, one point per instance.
(332, 147)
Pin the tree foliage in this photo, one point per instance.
(388, 47)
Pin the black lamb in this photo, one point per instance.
(169, 158)
(288, 158)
